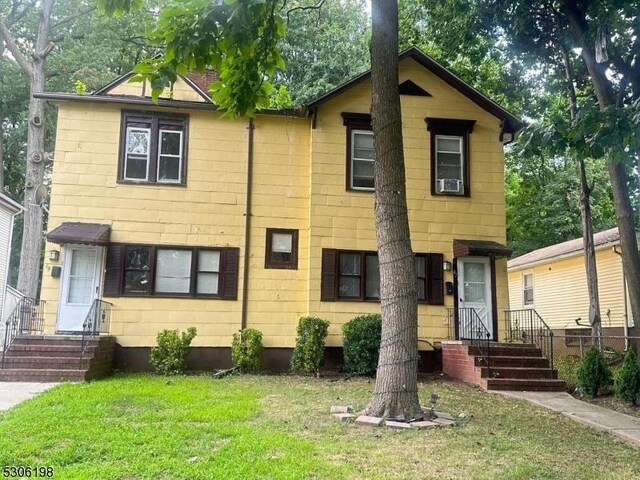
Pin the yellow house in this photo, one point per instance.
(553, 281)
(166, 215)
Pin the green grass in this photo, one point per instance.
(140, 427)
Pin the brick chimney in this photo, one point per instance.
(203, 80)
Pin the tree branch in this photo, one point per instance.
(71, 18)
(316, 6)
(10, 44)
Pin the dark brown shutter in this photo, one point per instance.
(328, 283)
(435, 279)
(113, 271)
(229, 284)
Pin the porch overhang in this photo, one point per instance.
(83, 233)
(480, 248)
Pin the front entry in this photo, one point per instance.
(81, 274)
(474, 292)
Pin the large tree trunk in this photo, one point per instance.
(590, 257)
(396, 391)
(617, 171)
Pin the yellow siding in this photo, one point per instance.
(181, 91)
(299, 183)
(560, 290)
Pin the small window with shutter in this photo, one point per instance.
(161, 271)
(281, 249)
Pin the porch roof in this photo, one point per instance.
(78, 232)
(483, 248)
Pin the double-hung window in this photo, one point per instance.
(527, 289)
(281, 249)
(163, 271)
(360, 158)
(153, 148)
(450, 167)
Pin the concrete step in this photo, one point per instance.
(41, 375)
(506, 350)
(45, 362)
(513, 361)
(519, 372)
(526, 384)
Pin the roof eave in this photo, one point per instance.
(562, 256)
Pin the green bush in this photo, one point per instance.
(593, 373)
(246, 348)
(361, 344)
(172, 347)
(627, 384)
(309, 352)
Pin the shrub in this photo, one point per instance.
(593, 373)
(627, 384)
(171, 350)
(309, 352)
(246, 348)
(361, 344)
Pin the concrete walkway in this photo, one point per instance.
(13, 393)
(624, 426)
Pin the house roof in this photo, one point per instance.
(78, 232)
(511, 123)
(564, 249)
(463, 248)
(11, 205)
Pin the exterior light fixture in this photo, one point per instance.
(54, 255)
(446, 266)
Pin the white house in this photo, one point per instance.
(8, 210)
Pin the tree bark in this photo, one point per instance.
(617, 172)
(396, 390)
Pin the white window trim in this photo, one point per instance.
(460, 140)
(160, 154)
(524, 288)
(126, 154)
(352, 156)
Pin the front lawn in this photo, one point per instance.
(135, 427)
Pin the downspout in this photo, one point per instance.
(247, 225)
(624, 293)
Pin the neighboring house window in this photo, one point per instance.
(281, 249)
(153, 148)
(360, 161)
(146, 270)
(355, 275)
(450, 167)
(527, 289)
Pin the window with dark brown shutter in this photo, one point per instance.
(328, 282)
(171, 271)
(435, 279)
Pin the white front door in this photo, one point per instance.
(474, 292)
(81, 274)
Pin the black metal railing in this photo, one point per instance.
(466, 324)
(97, 321)
(527, 326)
(27, 318)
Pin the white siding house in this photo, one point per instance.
(8, 210)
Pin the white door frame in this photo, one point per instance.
(484, 308)
(63, 323)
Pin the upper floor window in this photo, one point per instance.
(355, 275)
(527, 289)
(450, 168)
(360, 161)
(153, 148)
(147, 270)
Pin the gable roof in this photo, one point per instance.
(11, 205)
(511, 123)
(193, 83)
(564, 249)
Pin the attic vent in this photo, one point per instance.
(409, 88)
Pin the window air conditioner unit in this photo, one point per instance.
(449, 185)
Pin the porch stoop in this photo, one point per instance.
(512, 367)
(37, 358)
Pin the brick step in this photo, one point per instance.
(52, 341)
(526, 384)
(507, 350)
(513, 361)
(519, 372)
(42, 362)
(49, 350)
(41, 375)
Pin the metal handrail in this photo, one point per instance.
(26, 317)
(527, 326)
(466, 324)
(97, 321)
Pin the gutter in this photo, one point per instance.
(247, 225)
(563, 256)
